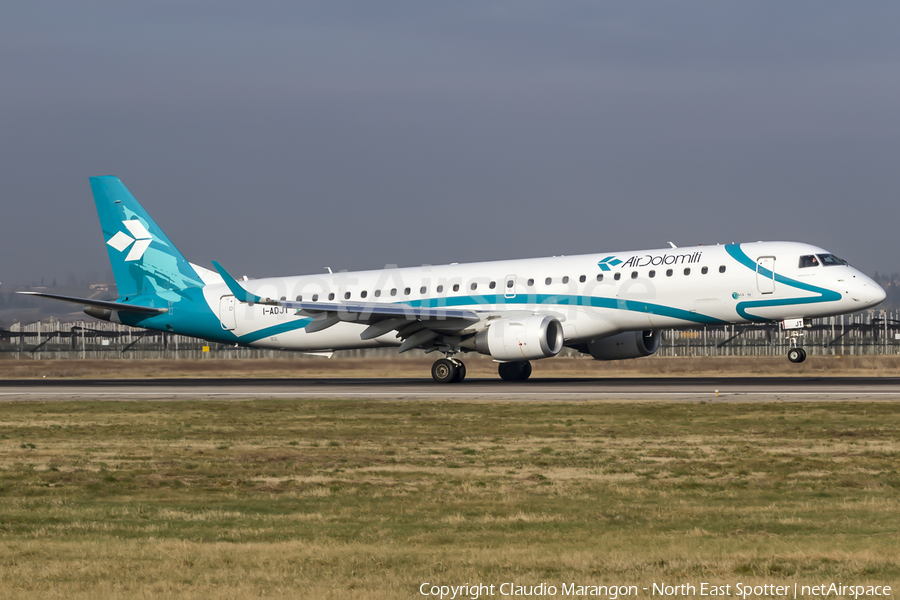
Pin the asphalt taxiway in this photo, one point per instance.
(696, 389)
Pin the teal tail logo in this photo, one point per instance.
(608, 262)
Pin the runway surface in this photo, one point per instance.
(703, 389)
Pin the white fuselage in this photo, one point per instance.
(592, 295)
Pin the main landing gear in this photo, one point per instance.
(448, 370)
(515, 371)
(452, 370)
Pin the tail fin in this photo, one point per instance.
(143, 259)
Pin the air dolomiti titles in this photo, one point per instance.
(647, 260)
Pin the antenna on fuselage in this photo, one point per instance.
(673, 245)
(329, 270)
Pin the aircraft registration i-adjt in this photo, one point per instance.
(610, 305)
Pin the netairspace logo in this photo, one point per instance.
(141, 240)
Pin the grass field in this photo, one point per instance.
(365, 499)
(477, 366)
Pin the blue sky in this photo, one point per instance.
(283, 137)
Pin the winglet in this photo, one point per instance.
(239, 292)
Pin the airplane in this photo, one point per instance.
(609, 305)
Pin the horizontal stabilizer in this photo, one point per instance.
(107, 304)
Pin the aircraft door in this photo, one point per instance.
(227, 310)
(509, 286)
(765, 274)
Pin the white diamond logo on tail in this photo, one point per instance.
(120, 241)
(141, 240)
(137, 229)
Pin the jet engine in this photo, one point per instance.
(631, 344)
(518, 339)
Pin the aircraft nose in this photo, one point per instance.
(866, 291)
(877, 294)
(870, 293)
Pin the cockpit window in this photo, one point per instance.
(809, 260)
(830, 260)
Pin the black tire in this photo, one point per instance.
(802, 354)
(460, 371)
(514, 371)
(796, 355)
(526, 370)
(444, 371)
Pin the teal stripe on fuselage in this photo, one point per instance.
(824, 294)
(192, 316)
(300, 323)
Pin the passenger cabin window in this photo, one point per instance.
(704, 270)
(530, 282)
(809, 260)
(406, 292)
(346, 295)
(722, 269)
(363, 294)
(423, 289)
(669, 272)
(283, 298)
(652, 274)
(300, 298)
(474, 286)
(393, 291)
(331, 296)
(582, 279)
(617, 276)
(830, 260)
(687, 271)
(599, 276)
(493, 284)
(315, 297)
(440, 289)
(510, 283)
(378, 293)
(455, 287)
(566, 279)
(634, 274)
(548, 281)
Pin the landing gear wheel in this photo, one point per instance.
(460, 371)
(796, 355)
(444, 370)
(515, 371)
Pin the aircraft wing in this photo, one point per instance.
(107, 304)
(415, 325)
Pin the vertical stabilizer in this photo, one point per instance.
(143, 259)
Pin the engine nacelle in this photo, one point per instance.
(631, 344)
(516, 339)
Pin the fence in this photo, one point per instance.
(869, 332)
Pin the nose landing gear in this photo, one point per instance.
(448, 370)
(796, 355)
(794, 328)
